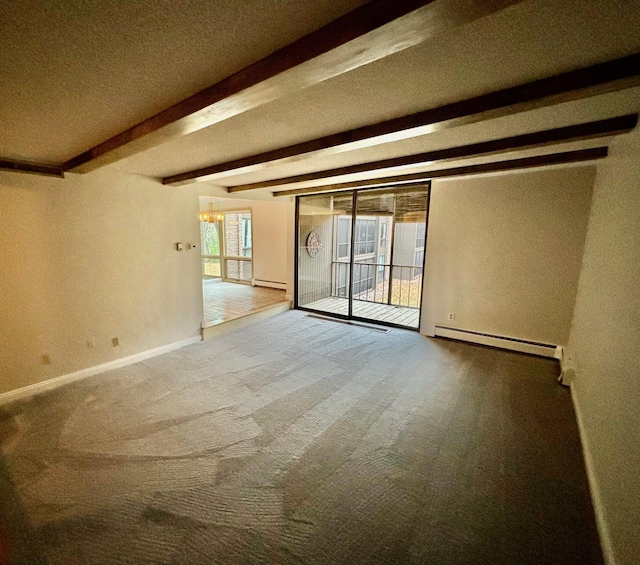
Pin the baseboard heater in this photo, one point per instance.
(522, 345)
(270, 284)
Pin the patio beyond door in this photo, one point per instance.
(361, 254)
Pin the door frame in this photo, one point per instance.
(350, 316)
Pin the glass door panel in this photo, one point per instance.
(324, 252)
(409, 240)
(370, 261)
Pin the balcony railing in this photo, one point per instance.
(382, 283)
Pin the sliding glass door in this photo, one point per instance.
(361, 254)
(324, 248)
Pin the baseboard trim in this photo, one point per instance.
(567, 368)
(502, 342)
(55, 382)
(596, 498)
(270, 284)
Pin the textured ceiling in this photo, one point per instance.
(595, 108)
(76, 72)
(518, 45)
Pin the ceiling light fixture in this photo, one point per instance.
(210, 216)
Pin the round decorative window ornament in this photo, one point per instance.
(313, 243)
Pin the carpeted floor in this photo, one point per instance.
(301, 441)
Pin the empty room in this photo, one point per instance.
(323, 282)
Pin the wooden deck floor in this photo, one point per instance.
(400, 315)
(224, 301)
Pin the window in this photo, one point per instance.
(418, 260)
(237, 243)
(365, 239)
(227, 247)
(246, 235)
(344, 237)
(362, 278)
(381, 263)
(420, 236)
(342, 279)
(210, 246)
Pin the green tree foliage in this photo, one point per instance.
(210, 240)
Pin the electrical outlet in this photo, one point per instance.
(115, 341)
(91, 343)
(451, 316)
(46, 359)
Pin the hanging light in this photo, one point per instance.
(211, 216)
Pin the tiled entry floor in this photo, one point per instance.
(224, 301)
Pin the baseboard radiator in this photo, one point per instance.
(513, 344)
(270, 284)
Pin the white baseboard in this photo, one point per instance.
(596, 498)
(270, 284)
(501, 342)
(56, 382)
(567, 368)
(428, 328)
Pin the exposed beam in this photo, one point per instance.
(582, 83)
(579, 132)
(32, 168)
(371, 32)
(484, 168)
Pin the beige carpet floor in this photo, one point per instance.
(301, 441)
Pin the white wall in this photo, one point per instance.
(504, 252)
(270, 233)
(605, 346)
(90, 258)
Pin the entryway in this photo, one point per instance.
(360, 254)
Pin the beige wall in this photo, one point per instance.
(504, 252)
(270, 234)
(605, 346)
(90, 258)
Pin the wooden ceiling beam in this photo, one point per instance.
(371, 32)
(574, 85)
(32, 168)
(579, 132)
(418, 179)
